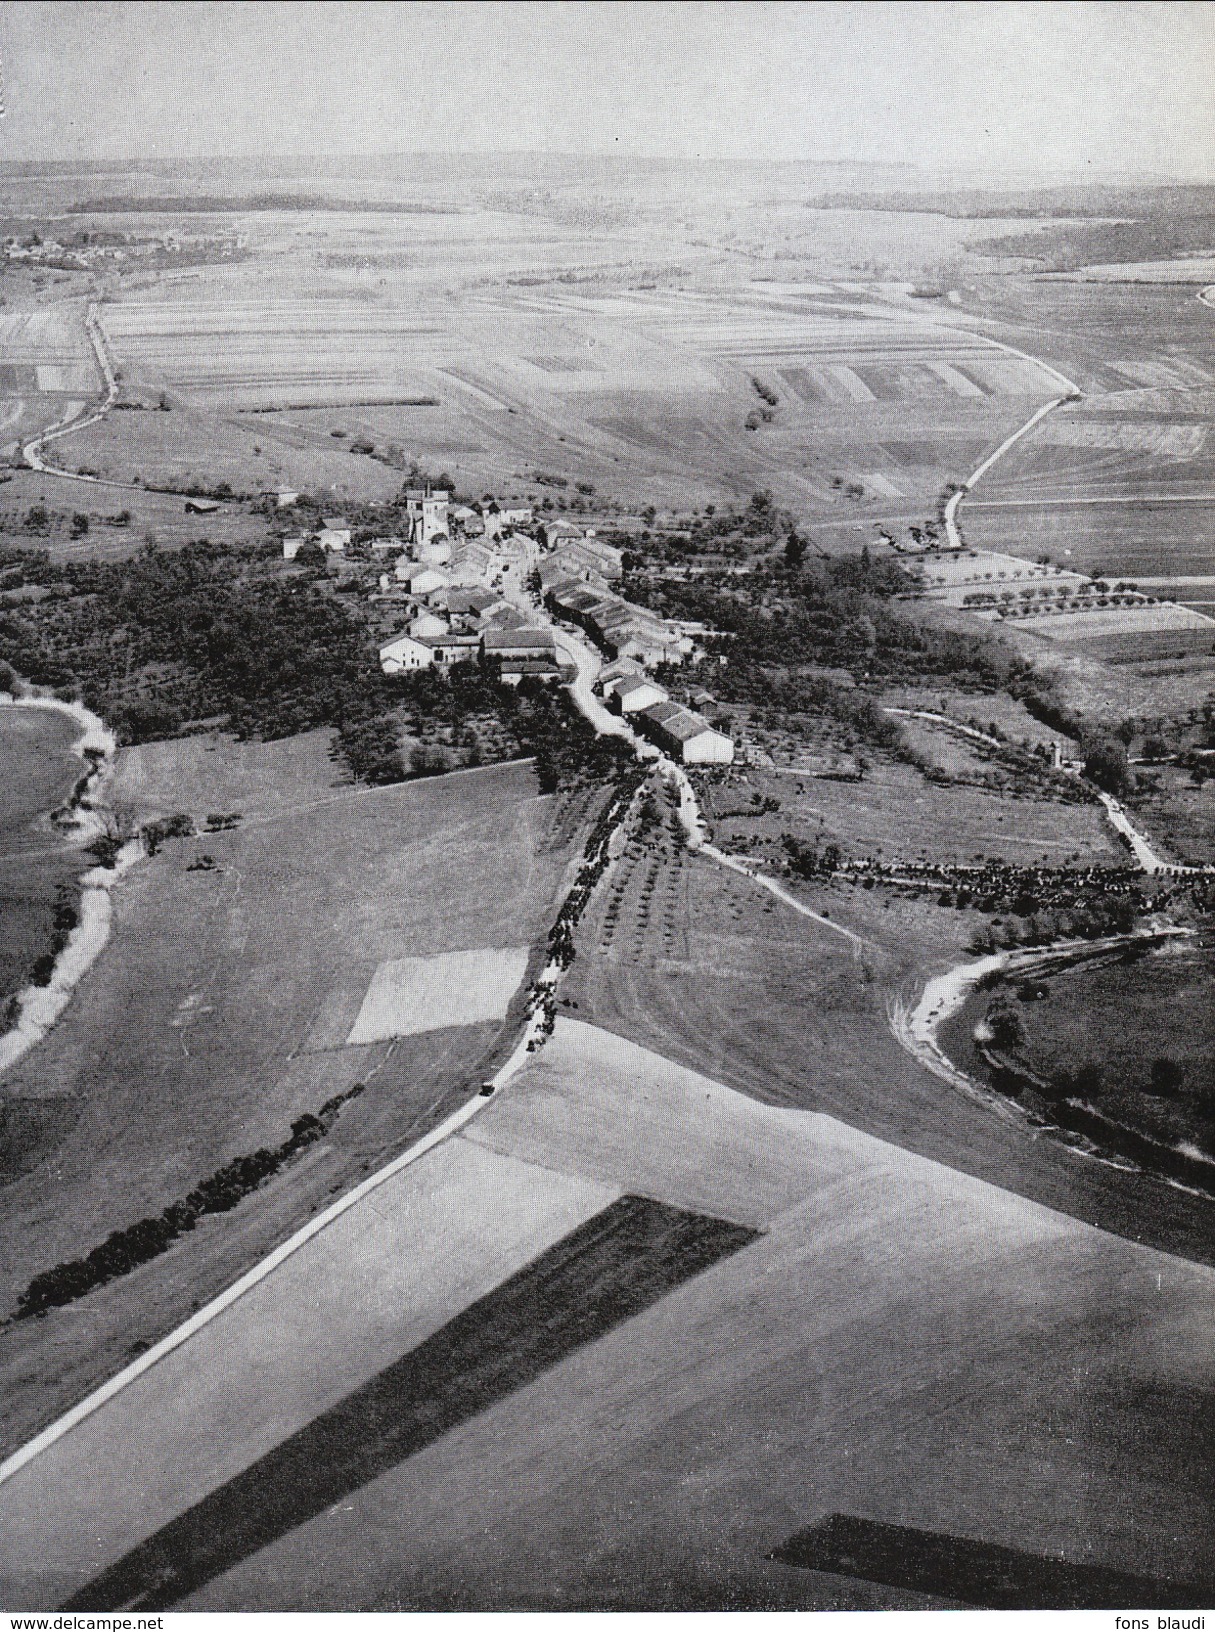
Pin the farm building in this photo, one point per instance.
(623, 629)
(579, 599)
(385, 546)
(686, 736)
(556, 581)
(708, 562)
(628, 632)
(471, 602)
(513, 669)
(292, 547)
(427, 623)
(201, 507)
(498, 522)
(471, 563)
(334, 534)
(453, 647)
(285, 497)
(505, 616)
(405, 652)
(590, 555)
(630, 696)
(560, 532)
(419, 578)
(518, 643)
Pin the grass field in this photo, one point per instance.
(190, 444)
(1180, 815)
(411, 995)
(208, 1025)
(895, 814)
(982, 710)
(1112, 540)
(1107, 1017)
(35, 866)
(847, 1360)
(160, 516)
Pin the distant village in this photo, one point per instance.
(469, 583)
(98, 250)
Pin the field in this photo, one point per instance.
(642, 388)
(1157, 535)
(218, 1015)
(1122, 483)
(47, 368)
(1105, 1019)
(1112, 1014)
(1180, 815)
(982, 710)
(411, 995)
(846, 1359)
(1130, 634)
(895, 814)
(160, 516)
(1058, 604)
(189, 445)
(35, 864)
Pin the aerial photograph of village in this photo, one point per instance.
(607, 807)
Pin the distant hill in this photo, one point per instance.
(986, 203)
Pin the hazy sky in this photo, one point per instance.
(1064, 85)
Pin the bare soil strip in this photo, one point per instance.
(609, 1269)
(975, 1572)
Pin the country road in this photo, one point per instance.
(955, 499)
(32, 451)
(587, 662)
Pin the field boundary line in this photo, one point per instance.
(350, 795)
(253, 1277)
(531, 1036)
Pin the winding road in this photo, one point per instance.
(1071, 393)
(588, 663)
(32, 451)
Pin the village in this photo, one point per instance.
(491, 585)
